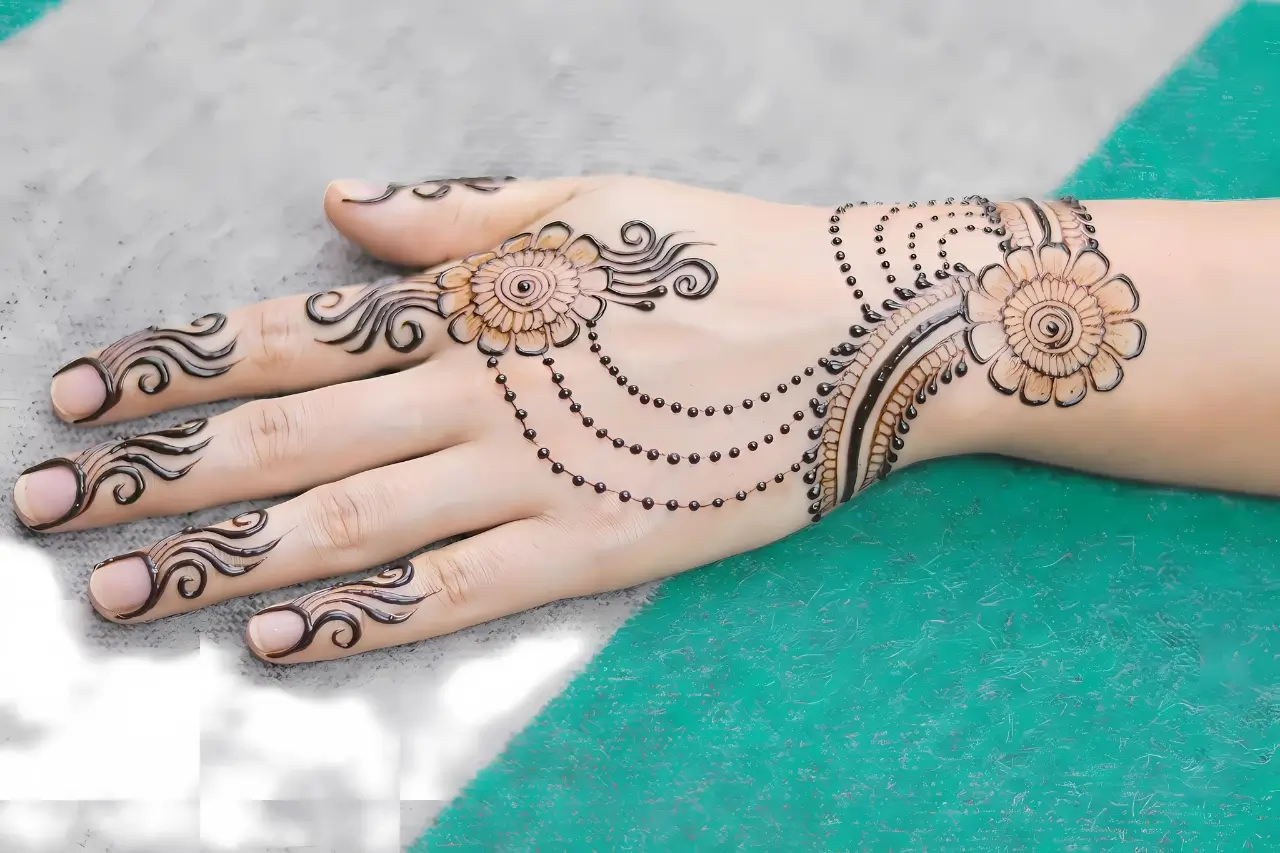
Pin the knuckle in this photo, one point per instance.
(612, 526)
(458, 576)
(343, 519)
(278, 340)
(274, 433)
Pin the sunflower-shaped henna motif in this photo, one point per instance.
(532, 291)
(1051, 323)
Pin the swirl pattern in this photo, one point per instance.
(168, 454)
(185, 559)
(1051, 322)
(153, 353)
(388, 598)
(436, 188)
(532, 293)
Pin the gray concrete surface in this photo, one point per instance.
(163, 159)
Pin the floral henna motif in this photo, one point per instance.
(388, 598)
(437, 188)
(152, 353)
(1046, 319)
(189, 556)
(532, 293)
(168, 454)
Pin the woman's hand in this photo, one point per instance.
(606, 381)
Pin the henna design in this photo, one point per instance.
(533, 292)
(168, 454)
(153, 352)
(347, 603)
(942, 364)
(600, 488)
(677, 407)
(1050, 319)
(853, 401)
(437, 188)
(652, 453)
(189, 555)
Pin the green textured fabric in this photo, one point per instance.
(975, 653)
(16, 14)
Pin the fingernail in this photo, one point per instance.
(357, 191)
(45, 494)
(121, 584)
(275, 630)
(77, 393)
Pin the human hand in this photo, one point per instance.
(606, 381)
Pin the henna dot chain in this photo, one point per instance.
(692, 411)
(600, 488)
(872, 315)
(652, 453)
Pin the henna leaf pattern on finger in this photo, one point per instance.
(432, 189)
(128, 465)
(388, 598)
(153, 353)
(185, 559)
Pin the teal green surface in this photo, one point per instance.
(16, 14)
(975, 654)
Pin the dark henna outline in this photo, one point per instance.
(155, 348)
(650, 261)
(945, 362)
(879, 379)
(380, 307)
(189, 555)
(479, 183)
(362, 595)
(1039, 241)
(649, 268)
(129, 459)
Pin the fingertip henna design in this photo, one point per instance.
(189, 555)
(388, 598)
(153, 352)
(432, 189)
(168, 454)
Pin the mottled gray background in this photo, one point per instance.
(159, 160)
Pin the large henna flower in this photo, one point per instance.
(531, 291)
(1047, 320)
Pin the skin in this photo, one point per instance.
(386, 465)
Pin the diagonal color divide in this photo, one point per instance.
(974, 652)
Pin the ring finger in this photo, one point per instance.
(362, 521)
(261, 449)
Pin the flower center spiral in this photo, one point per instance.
(1053, 325)
(524, 288)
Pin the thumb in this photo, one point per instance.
(429, 222)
